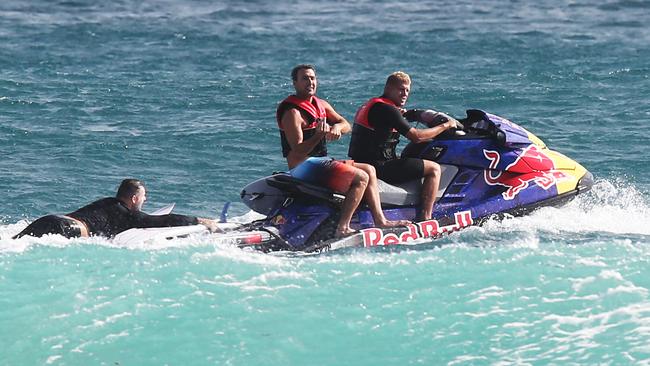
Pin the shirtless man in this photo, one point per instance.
(306, 123)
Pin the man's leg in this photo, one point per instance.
(373, 201)
(406, 169)
(54, 224)
(352, 199)
(432, 173)
(339, 176)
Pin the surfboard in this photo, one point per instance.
(139, 236)
(159, 237)
(164, 210)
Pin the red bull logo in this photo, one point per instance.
(532, 165)
(278, 220)
(422, 230)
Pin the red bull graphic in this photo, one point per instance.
(531, 165)
(421, 230)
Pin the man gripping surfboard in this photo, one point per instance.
(110, 216)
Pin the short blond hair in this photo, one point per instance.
(398, 77)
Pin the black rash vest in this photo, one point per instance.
(384, 117)
(378, 145)
(109, 217)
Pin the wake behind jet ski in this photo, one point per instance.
(490, 168)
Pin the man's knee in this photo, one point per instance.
(431, 168)
(372, 172)
(361, 177)
(369, 169)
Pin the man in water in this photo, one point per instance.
(110, 216)
(306, 123)
(378, 125)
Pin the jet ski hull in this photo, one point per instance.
(494, 168)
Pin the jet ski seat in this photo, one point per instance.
(402, 194)
(300, 188)
(409, 193)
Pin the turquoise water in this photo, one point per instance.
(183, 95)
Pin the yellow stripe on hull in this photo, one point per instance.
(572, 170)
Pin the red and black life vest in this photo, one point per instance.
(314, 111)
(368, 144)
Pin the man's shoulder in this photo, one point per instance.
(293, 111)
(293, 101)
(324, 101)
(288, 103)
(99, 204)
(284, 106)
(383, 112)
(383, 107)
(104, 203)
(107, 200)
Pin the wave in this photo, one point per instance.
(614, 207)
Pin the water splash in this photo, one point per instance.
(614, 207)
(611, 207)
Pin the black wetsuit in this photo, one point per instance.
(52, 224)
(105, 217)
(378, 147)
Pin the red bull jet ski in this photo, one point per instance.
(490, 167)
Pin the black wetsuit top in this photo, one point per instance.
(373, 147)
(377, 147)
(109, 217)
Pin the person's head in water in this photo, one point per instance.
(304, 80)
(132, 193)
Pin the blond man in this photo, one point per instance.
(375, 135)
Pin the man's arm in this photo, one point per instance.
(146, 220)
(426, 134)
(292, 122)
(338, 124)
(392, 117)
(210, 224)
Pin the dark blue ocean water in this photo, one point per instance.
(182, 95)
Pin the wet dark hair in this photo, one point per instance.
(294, 72)
(128, 188)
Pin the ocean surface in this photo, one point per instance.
(182, 94)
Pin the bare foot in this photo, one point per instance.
(342, 232)
(419, 218)
(396, 223)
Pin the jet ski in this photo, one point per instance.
(491, 167)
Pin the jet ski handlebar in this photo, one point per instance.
(432, 118)
(429, 117)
